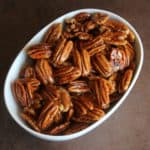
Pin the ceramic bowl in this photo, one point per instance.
(21, 58)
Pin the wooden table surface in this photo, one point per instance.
(128, 128)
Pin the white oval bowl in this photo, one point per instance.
(20, 60)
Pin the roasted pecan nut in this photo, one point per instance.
(62, 51)
(86, 62)
(125, 81)
(102, 92)
(118, 59)
(68, 74)
(30, 121)
(99, 18)
(93, 43)
(69, 114)
(78, 86)
(102, 65)
(82, 61)
(59, 129)
(28, 72)
(65, 100)
(97, 49)
(39, 51)
(44, 71)
(50, 92)
(76, 127)
(82, 35)
(112, 83)
(81, 17)
(58, 118)
(53, 33)
(47, 115)
(20, 93)
(80, 109)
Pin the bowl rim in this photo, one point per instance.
(111, 111)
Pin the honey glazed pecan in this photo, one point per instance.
(81, 67)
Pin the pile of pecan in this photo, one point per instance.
(79, 69)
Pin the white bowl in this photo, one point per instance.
(19, 61)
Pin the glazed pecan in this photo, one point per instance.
(50, 92)
(62, 52)
(58, 118)
(65, 100)
(96, 50)
(102, 65)
(67, 74)
(58, 129)
(76, 127)
(20, 93)
(112, 83)
(53, 33)
(31, 84)
(78, 86)
(82, 35)
(119, 59)
(39, 51)
(44, 71)
(95, 42)
(125, 80)
(115, 25)
(30, 121)
(101, 90)
(99, 18)
(82, 61)
(69, 114)
(82, 104)
(90, 117)
(28, 72)
(81, 17)
(47, 115)
(80, 109)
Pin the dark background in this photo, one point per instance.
(128, 128)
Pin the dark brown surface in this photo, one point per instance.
(128, 128)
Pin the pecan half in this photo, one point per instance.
(112, 83)
(81, 17)
(39, 51)
(67, 75)
(82, 35)
(44, 71)
(80, 109)
(76, 127)
(28, 72)
(118, 59)
(65, 100)
(62, 52)
(100, 18)
(32, 85)
(125, 81)
(30, 121)
(47, 115)
(59, 129)
(102, 65)
(53, 33)
(78, 86)
(90, 117)
(50, 92)
(20, 93)
(82, 61)
(93, 43)
(101, 90)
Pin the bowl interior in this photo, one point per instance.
(21, 59)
